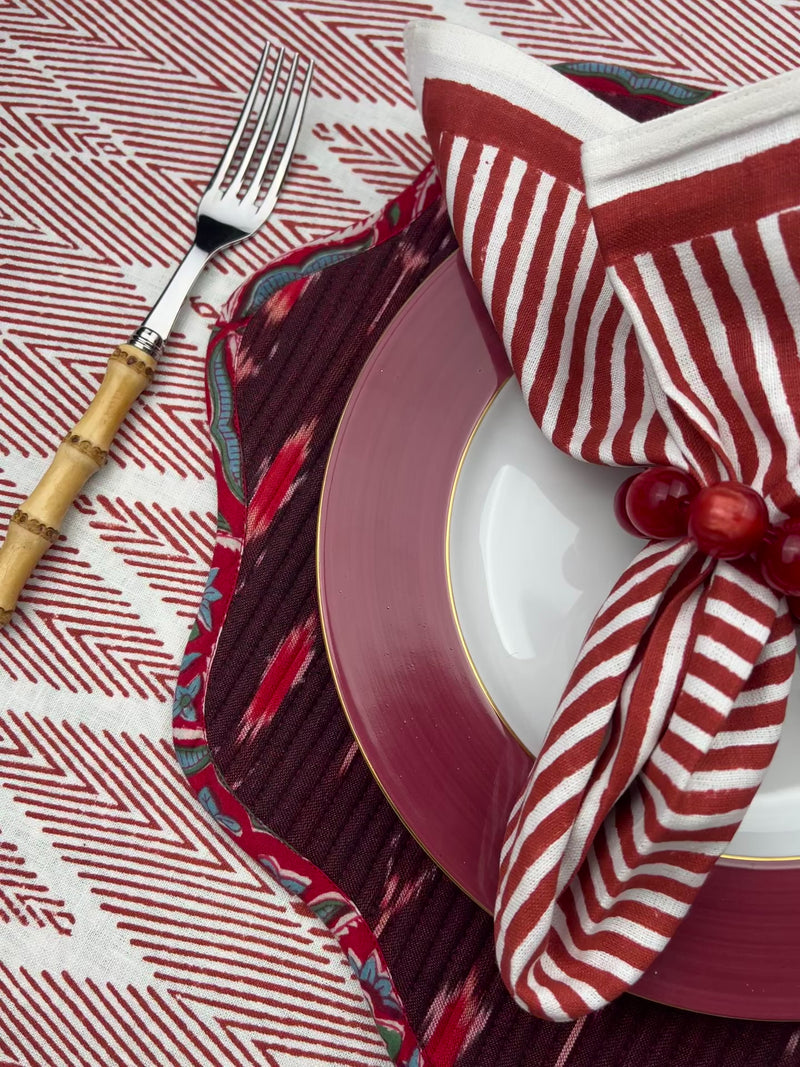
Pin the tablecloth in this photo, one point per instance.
(133, 932)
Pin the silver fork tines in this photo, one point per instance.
(244, 188)
(244, 118)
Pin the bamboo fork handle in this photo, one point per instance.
(36, 523)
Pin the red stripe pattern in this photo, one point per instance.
(637, 338)
(528, 239)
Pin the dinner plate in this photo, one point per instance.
(461, 558)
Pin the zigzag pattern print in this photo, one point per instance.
(113, 117)
(384, 158)
(24, 898)
(167, 548)
(683, 41)
(212, 932)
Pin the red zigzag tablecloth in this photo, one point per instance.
(119, 901)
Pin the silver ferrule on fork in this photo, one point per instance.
(147, 341)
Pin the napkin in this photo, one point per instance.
(644, 280)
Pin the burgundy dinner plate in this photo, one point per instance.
(436, 746)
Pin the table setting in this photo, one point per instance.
(399, 628)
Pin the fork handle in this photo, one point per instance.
(35, 525)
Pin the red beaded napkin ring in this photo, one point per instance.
(726, 521)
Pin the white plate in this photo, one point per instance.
(534, 549)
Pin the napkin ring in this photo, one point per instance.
(726, 520)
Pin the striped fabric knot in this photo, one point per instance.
(644, 280)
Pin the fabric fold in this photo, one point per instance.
(647, 298)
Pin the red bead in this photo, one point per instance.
(779, 556)
(620, 510)
(657, 501)
(727, 520)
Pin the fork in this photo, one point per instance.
(237, 201)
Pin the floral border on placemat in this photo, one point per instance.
(282, 282)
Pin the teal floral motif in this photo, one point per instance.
(210, 595)
(193, 758)
(294, 883)
(273, 280)
(222, 427)
(636, 83)
(330, 908)
(371, 976)
(392, 1039)
(414, 1060)
(188, 660)
(183, 705)
(209, 802)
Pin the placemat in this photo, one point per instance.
(259, 729)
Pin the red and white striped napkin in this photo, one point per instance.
(644, 280)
